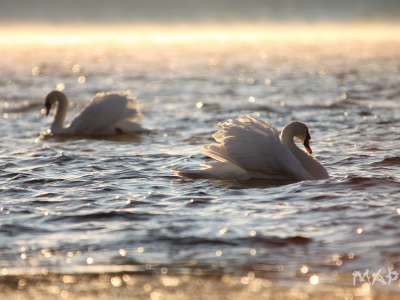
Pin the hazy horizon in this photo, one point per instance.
(181, 11)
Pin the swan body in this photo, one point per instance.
(106, 113)
(252, 148)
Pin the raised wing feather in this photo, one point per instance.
(255, 145)
(104, 110)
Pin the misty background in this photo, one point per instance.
(175, 11)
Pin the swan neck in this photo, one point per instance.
(289, 142)
(60, 113)
(287, 136)
(316, 170)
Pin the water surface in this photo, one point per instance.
(78, 204)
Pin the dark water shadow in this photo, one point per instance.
(253, 183)
(122, 137)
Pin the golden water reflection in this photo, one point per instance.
(127, 285)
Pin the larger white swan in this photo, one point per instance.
(252, 148)
(106, 113)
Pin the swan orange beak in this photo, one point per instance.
(48, 106)
(307, 143)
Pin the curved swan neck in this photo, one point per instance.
(289, 132)
(300, 154)
(60, 112)
(300, 131)
(292, 130)
(289, 142)
(287, 137)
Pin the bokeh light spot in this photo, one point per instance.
(60, 86)
(314, 279)
(89, 260)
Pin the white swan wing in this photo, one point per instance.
(255, 145)
(105, 110)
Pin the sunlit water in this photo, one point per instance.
(73, 204)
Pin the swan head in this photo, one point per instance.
(300, 131)
(51, 99)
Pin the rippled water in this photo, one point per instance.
(115, 200)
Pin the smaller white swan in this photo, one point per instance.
(106, 113)
(252, 148)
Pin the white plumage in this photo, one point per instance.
(252, 148)
(107, 113)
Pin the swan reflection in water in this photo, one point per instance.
(251, 148)
(133, 137)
